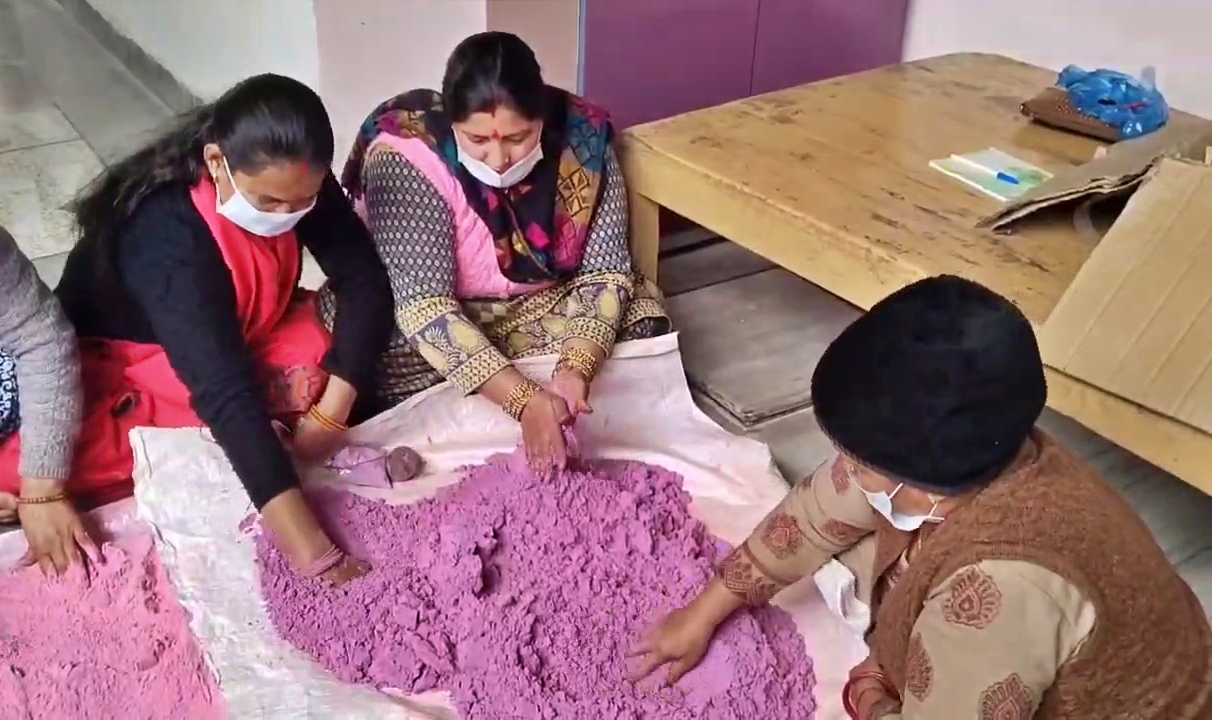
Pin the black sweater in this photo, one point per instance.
(170, 286)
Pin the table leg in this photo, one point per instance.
(645, 233)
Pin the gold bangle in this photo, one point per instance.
(323, 420)
(42, 500)
(578, 360)
(519, 396)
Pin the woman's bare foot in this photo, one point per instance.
(8, 509)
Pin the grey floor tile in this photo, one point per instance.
(797, 443)
(795, 440)
(35, 187)
(111, 110)
(686, 238)
(12, 44)
(752, 344)
(708, 264)
(27, 117)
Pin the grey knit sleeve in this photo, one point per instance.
(35, 332)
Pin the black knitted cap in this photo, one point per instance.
(938, 385)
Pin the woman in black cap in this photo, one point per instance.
(1001, 577)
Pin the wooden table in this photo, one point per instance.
(831, 181)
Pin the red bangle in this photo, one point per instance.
(849, 705)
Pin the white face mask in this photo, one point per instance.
(258, 222)
(882, 502)
(514, 175)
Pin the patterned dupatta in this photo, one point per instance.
(539, 225)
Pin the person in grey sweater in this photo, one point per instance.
(40, 398)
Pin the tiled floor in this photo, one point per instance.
(67, 108)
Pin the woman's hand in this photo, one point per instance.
(316, 439)
(573, 388)
(348, 569)
(682, 637)
(294, 530)
(53, 531)
(865, 692)
(312, 442)
(543, 420)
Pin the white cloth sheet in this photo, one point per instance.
(189, 495)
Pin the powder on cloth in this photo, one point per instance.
(118, 647)
(520, 596)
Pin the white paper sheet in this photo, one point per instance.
(188, 493)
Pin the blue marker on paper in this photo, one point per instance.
(1007, 178)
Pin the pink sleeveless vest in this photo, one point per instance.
(477, 275)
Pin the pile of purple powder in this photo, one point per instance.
(520, 598)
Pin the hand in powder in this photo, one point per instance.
(287, 520)
(349, 569)
(543, 421)
(57, 538)
(682, 637)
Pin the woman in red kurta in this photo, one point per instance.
(183, 291)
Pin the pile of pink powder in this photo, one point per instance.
(118, 647)
(520, 597)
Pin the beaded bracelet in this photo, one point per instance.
(515, 401)
(42, 500)
(323, 420)
(578, 360)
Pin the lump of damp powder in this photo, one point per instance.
(371, 466)
(520, 597)
(117, 646)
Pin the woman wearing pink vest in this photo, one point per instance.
(499, 210)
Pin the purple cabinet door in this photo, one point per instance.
(802, 41)
(649, 59)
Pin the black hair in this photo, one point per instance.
(492, 69)
(264, 119)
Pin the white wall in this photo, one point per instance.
(371, 50)
(356, 53)
(209, 45)
(1126, 35)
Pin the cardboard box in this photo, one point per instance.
(1137, 319)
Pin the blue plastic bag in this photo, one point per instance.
(1133, 107)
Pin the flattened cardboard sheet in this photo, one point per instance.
(1124, 165)
(1137, 319)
